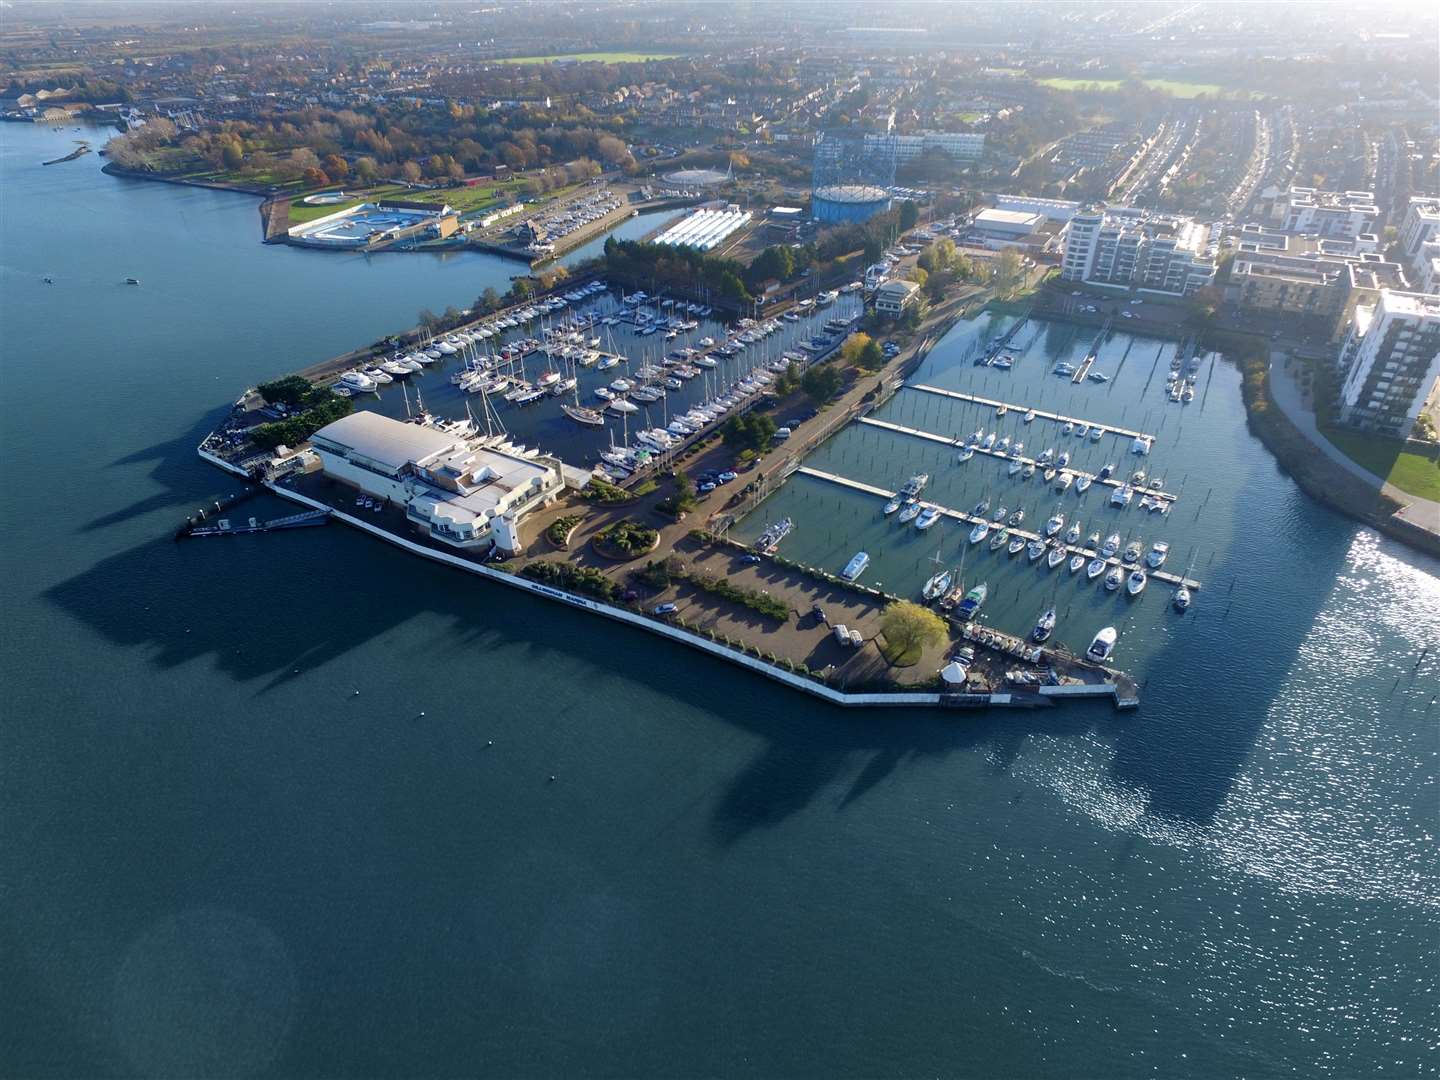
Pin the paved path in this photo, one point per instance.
(1286, 392)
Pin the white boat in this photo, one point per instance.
(987, 442)
(1095, 569)
(1097, 433)
(1056, 557)
(1077, 561)
(605, 363)
(896, 501)
(1000, 539)
(1069, 428)
(1043, 626)
(357, 382)
(1015, 466)
(1111, 545)
(620, 386)
(1114, 579)
(1181, 599)
(966, 454)
(1158, 552)
(979, 532)
(1029, 415)
(1063, 481)
(1016, 545)
(938, 585)
(1102, 646)
(910, 511)
(604, 393)
(856, 566)
(1131, 554)
(928, 517)
(582, 415)
(1035, 549)
(1063, 459)
(380, 377)
(1055, 524)
(1072, 534)
(1082, 484)
(1122, 495)
(1082, 430)
(620, 405)
(1136, 583)
(1140, 444)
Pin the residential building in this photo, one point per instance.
(1420, 227)
(1328, 213)
(468, 492)
(959, 145)
(1390, 361)
(893, 297)
(1427, 267)
(1130, 248)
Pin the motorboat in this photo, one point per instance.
(1181, 599)
(647, 394)
(1105, 473)
(1069, 428)
(998, 514)
(1114, 579)
(1035, 549)
(966, 454)
(1015, 467)
(604, 393)
(1135, 584)
(1102, 646)
(1122, 495)
(928, 517)
(1029, 415)
(620, 386)
(1140, 445)
(1043, 626)
(605, 363)
(383, 378)
(1016, 518)
(620, 405)
(1050, 473)
(1098, 376)
(856, 566)
(1082, 484)
(910, 511)
(1064, 480)
(1138, 477)
(1003, 445)
(915, 485)
(1093, 541)
(1158, 552)
(1015, 450)
(1027, 472)
(1132, 552)
(896, 501)
(1000, 539)
(1063, 459)
(1077, 561)
(357, 382)
(1016, 545)
(1055, 524)
(1097, 433)
(1096, 568)
(1072, 534)
(981, 508)
(1082, 430)
(975, 437)
(1056, 556)
(987, 442)
(1045, 457)
(1111, 545)
(970, 606)
(979, 532)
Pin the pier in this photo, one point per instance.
(292, 521)
(1040, 414)
(1015, 531)
(1001, 455)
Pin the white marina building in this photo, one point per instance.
(471, 492)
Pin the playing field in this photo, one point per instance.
(1166, 86)
(1416, 473)
(600, 57)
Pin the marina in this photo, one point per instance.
(976, 399)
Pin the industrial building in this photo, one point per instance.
(848, 202)
(468, 492)
(1390, 361)
(1136, 249)
(1061, 210)
(704, 230)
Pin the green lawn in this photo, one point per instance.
(602, 57)
(1169, 86)
(1408, 471)
(464, 199)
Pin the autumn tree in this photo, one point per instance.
(908, 629)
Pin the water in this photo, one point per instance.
(219, 859)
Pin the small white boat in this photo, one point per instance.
(1136, 583)
(1063, 481)
(1029, 415)
(1072, 534)
(1114, 579)
(909, 512)
(1055, 524)
(1056, 557)
(1076, 563)
(620, 405)
(1015, 467)
(1181, 599)
(1111, 545)
(856, 566)
(1082, 484)
(1043, 626)
(1035, 549)
(979, 532)
(966, 454)
(1016, 545)
(1158, 553)
(1103, 645)
(896, 501)
(1069, 428)
(1095, 569)
(928, 517)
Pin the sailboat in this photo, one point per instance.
(1043, 626)
(939, 582)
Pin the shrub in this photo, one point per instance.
(629, 537)
(604, 493)
(579, 579)
(560, 528)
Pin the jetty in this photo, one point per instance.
(1005, 455)
(223, 527)
(1026, 534)
(1040, 414)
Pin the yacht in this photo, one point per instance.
(1111, 545)
(1016, 518)
(938, 585)
(1056, 556)
(928, 517)
(1016, 545)
(1158, 551)
(1135, 585)
(379, 376)
(647, 394)
(620, 405)
(1082, 484)
(1076, 562)
(1063, 481)
(582, 415)
(1097, 433)
(966, 454)
(979, 532)
(896, 501)
(1035, 549)
(915, 485)
(1072, 534)
(856, 566)
(1000, 539)
(1114, 579)
(1043, 626)
(604, 393)
(620, 386)
(1103, 645)
(1132, 552)
(970, 606)
(1029, 415)
(910, 511)
(1096, 568)
(605, 363)
(357, 381)
(1181, 599)
(1122, 495)
(1055, 524)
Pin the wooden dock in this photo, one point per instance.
(1027, 534)
(1021, 410)
(918, 433)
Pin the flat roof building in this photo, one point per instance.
(1390, 361)
(1328, 213)
(893, 297)
(1008, 222)
(463, 490)
(1131, 248)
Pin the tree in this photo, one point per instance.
(1009, 267)
(367, 170)
(821, 382)
(231, 155)
(909, 215)
(411, 172)
(908, 629)
(871, 357)
(335, 167)
(315, 177)
(919, 276)
(489, 299)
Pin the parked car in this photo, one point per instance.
(666, 609)
(819, 614)
(726, 477)
(751, 559)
